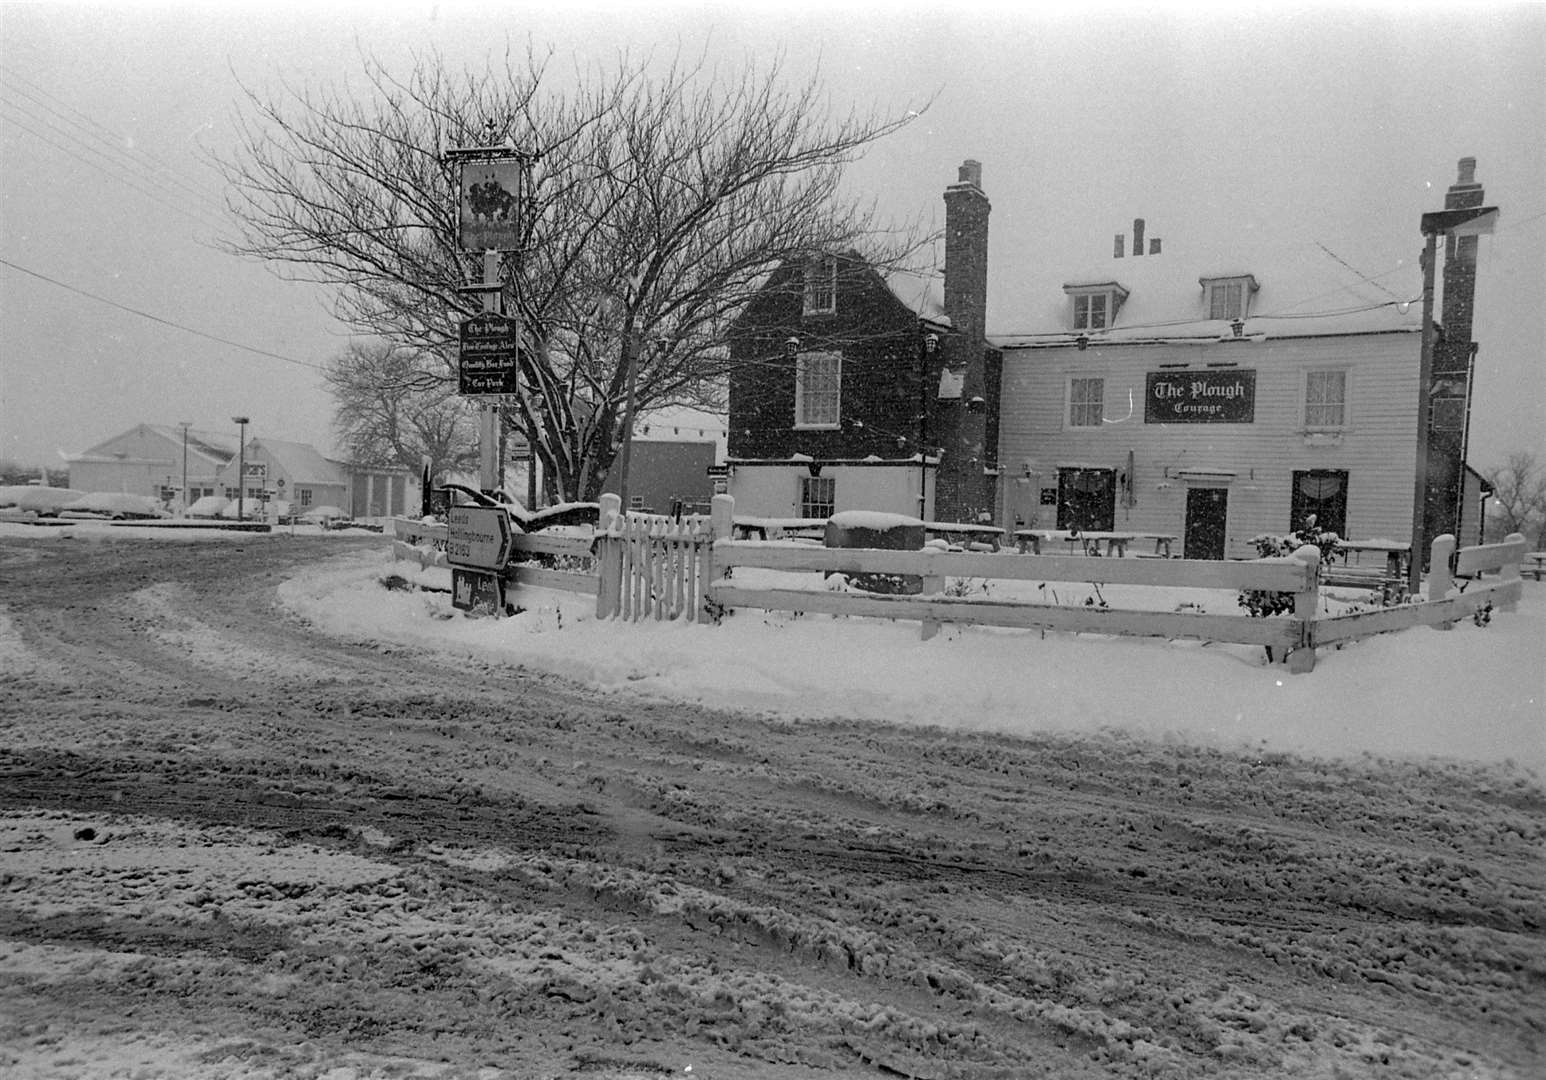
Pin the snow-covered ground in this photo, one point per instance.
(1473, 693)
(1476, 693)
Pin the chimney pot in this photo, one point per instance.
(970, 172)
(1467, 171)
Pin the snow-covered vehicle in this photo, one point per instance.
(207, 506)
(47, 501)
(114, 506)
(326, 516)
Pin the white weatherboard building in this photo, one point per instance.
(1215, 392)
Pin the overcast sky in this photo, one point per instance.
(1337, 126)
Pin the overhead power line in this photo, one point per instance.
(103, 139)
(164, 322)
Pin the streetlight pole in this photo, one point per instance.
(241, 463)
(184, 424)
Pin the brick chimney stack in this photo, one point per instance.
(966, 254)
(963, 483)
(1460, 258)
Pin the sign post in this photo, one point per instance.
(491, 215)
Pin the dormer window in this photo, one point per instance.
(820, 286)
(1095, 306)
(1228, 297)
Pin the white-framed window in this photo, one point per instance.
(1228, 298)
(818, 383)
(1092, 311)
(818, 496)
(1325, 399)
(1094, 307)
(1086, 401)
(820, 286)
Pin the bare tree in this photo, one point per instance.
(663, 198)
(1518, 501)
(393, 407)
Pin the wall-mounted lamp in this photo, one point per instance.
(1238, 326)
(791, 345)
(931, 343)
(1083, 341)
(976, 405)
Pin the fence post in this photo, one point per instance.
(933, 585)
(721, 527)
(1439, 580)
(1307, 599)
(609, 557)
(1509, 572)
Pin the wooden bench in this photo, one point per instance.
(1534, 564)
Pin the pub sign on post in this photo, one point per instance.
(489, 354)
(489, 217)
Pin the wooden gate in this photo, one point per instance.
(654, 568)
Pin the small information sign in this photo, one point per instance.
(477, 593)
(490, 355)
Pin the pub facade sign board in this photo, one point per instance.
(1218, 396)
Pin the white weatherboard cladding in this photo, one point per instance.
(774, 490)
(1377, 446)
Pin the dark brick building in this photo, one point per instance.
(858, 389)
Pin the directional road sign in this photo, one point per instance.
(478, 537)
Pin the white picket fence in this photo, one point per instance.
(650, 567)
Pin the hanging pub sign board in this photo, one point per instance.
(489, 212)
(1216, 396)
(489, 355)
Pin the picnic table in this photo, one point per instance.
(1534, 564)
(764, 528)
(1384, 569)
(964, 532)
(1089, 543)
(1393, 554)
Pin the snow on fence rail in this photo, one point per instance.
(650, 567)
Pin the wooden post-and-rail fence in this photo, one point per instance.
(648, 567)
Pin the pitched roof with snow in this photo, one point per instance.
(300, 461)
(921, 292)
(1303, 290)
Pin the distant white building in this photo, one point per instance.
(148, 460)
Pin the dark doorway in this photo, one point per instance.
(1207, 510)
(1322, 492)
(1087, 499)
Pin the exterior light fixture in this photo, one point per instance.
(1083, 341)
(1238, 326)
(931, 343)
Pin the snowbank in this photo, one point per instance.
(1473, 693)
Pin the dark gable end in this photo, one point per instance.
(878, 338)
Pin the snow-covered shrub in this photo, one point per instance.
(1260, 602)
